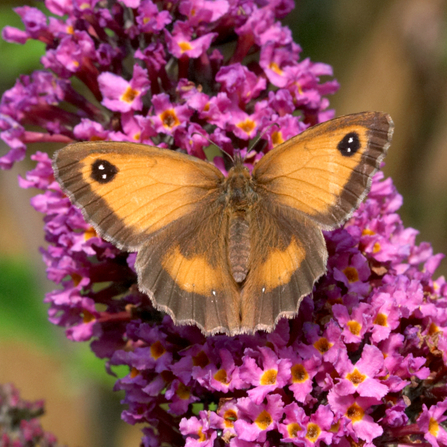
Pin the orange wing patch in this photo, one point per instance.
(312, 177)
(146, 194)
(194, 274)
(280, 265)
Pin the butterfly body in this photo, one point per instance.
(240, 199)
(229, 254)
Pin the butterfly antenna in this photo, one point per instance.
(214, 144)
(256, 140)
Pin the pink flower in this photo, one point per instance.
(256, 420)
(275, 373)
(354, 325)
(355, 411)
(121, 95)
(180, 43)
(199, 432)
(361, 378)
(168, 117)
(429, 422)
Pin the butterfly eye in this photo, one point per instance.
(103, 171)
(349, 144)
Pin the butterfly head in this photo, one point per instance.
(239, 187)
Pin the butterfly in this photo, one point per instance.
(229, 254)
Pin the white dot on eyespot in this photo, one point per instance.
(214, 292)
(104, 176)
(348, 149)
(350, 140)
(101, 167)
(263, 290)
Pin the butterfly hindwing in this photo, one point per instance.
(184, 270)
(284, 268)
(326, 171)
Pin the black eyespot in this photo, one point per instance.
(103, 171)
(349, 144)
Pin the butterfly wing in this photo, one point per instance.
(290, 257)
(130, 191)
(165, 205)
(191, 280)
(326, 172)
(311, 182)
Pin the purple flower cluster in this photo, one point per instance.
(163, 73)
(364, 362)
(19, 421)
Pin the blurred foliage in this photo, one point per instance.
(23, 317)
(22, 314)
(16, 59)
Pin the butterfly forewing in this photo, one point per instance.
(130, 191)
(326, 171)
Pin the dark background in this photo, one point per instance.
(388, 55)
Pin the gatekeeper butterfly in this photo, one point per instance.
(230, 254)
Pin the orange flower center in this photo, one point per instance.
(221, 376)
(293, 429)
(89, 233)
(356, 377)
(433, 427)
(351, 273)
(129, 95)
(433, 329)
(230, 417)
(299, 373)
(202, 436)
(313, 431)
(323, 345)
(269, 377)
(263, 420)
(247, 126)
(275, 67)
(277, 138)
(87, 316)
(381, 320)
(183, 392)
(201, 359)
(376, 248)
(157, 350)
(169, 118)
(355, 412)
(355, 327)
(185, 46)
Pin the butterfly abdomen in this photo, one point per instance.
(240, 199)
(239, 245)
